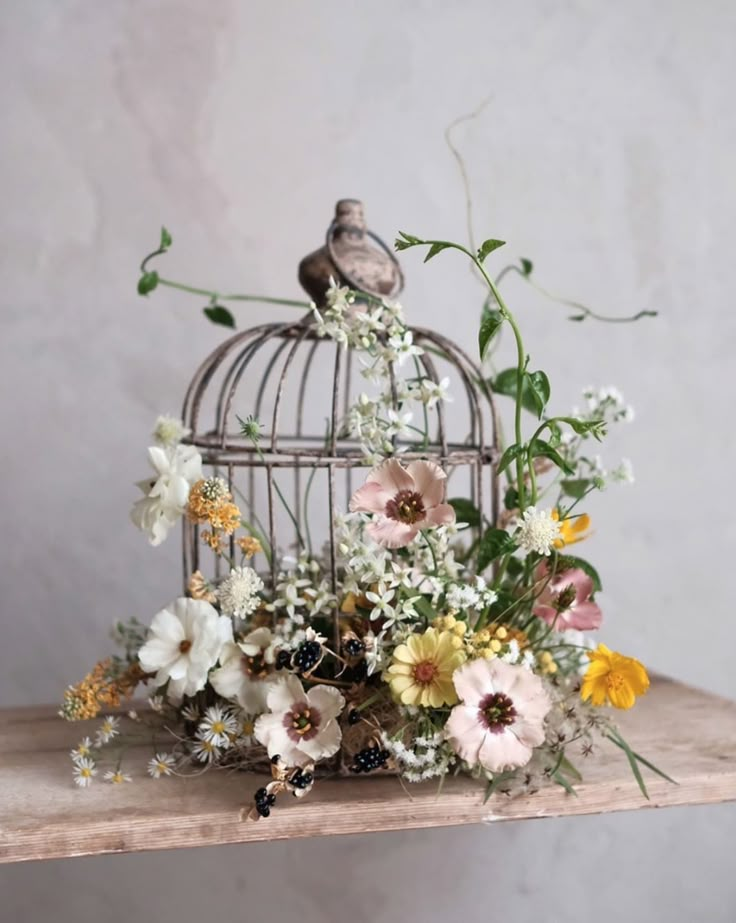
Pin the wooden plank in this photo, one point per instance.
(689, 734)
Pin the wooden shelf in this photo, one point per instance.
(687, 733)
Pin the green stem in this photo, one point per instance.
(263, 299)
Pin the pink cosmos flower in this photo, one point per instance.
(404, 500)
(501, 718)
(565, 601)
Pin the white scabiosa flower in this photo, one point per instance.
(169, 431)
(184, 643)
(238, 594)
(538, 531)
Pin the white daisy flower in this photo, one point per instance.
(205, 751)
(84, 771)
(166, 495)
(538, 531)
(162, 764)
(238, 594)
(156, 703)
(117, 777)
(190, 713)
(217, 726)
(184, 642)
(107, 730)
(83, 750)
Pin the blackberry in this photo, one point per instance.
(270, 799)
(301, 779)
(354, 647)
(275, 758)
(261, 795)
(353, 716)
(369, 759)
(263, 809)
(307, 656)
(283, 660)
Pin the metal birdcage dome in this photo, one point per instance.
(300, 386)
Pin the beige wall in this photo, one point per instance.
(606, 155)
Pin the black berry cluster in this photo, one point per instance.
(301, 779)
(353, 716)
(283, 660)
(354, 647)
(265, 800)
(369, 758)
(307, 656)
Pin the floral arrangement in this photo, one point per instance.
(451, 655)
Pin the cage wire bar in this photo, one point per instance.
(251, 373)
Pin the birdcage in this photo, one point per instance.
(295, 481)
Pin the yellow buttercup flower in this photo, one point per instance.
(613, 678)
(421, 669)
(571, 530)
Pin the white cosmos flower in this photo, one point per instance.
(302, 727)
(247, 673)
(166, 495)
(184, 642)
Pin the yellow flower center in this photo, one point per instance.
(218, 727)
(615, 680)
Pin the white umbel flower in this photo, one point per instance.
(238, 594)
(538, 531)
(169, 431)
(184, 642)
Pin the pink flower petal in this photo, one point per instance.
(429, 481)
(370, 498)
(547, 613)
(503, 751)
(465, 732)
(441, 515)
(392, 476)
(473, 681)
(584, 617)
(390, 533)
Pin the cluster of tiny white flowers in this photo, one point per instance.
(238, 593)
(169, 431)
(476, 595)
(301, 592)
(427, 757)
(537, 531)
(608, 406)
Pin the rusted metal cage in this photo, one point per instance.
(300, 386)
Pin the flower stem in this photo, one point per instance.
(263, 299)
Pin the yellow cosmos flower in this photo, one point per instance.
(613, 678)
(421, 669)
(571, 530)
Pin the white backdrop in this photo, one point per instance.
(605, 155)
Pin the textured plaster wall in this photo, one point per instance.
(606, 155)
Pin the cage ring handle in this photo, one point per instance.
(353, 283)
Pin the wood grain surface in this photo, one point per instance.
(689, 734)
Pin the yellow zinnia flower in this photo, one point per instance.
(571, 530)
(421, 669)
(613, 678)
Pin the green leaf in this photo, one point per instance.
(621, 743)
(577, 317)
(493, 544)
(505, 383)
(586, 568)
(539, 447)
(540, 390)
(569, 769)
(489, 327)
(437, 247)
(424, 608)
(584, 427)
(488, 246)
(465, 511)
(511, 499)
(576, 487)
(166, 240)
(220, 315)
(526, 267)
(499, 779)
(561, 780)
(511, 454)
(404, 241)
(147, 282)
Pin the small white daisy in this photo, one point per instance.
(133, 715)
(538, 531)
(205, 751)
(162, 764)
(156, 703)
(107, 730)
(83, 750)
(190, 713)
(84, 770)
(217, 726)
(117, 777)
